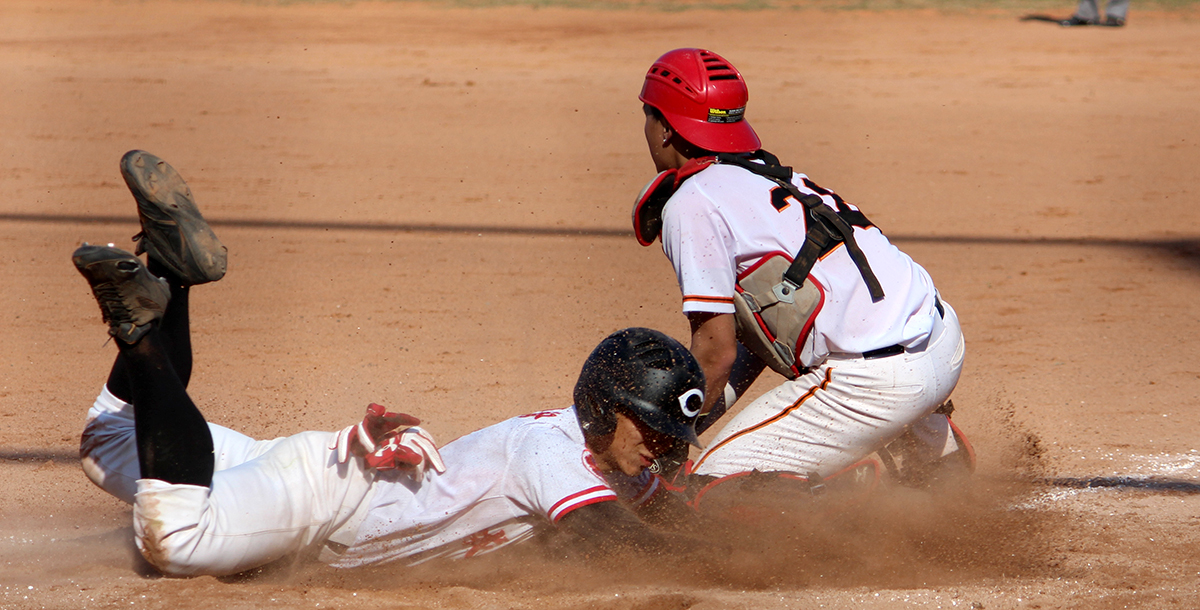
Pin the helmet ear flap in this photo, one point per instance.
(594, 419)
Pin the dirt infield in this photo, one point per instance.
(427, 206)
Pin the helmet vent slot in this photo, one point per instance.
(654, 355)
(719, 70)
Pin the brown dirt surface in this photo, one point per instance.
(428, 206)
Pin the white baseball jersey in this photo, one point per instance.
(724, 219)
(501, 485)
(291, 495)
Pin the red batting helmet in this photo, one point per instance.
(703, 97)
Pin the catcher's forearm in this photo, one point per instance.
(714, 344)
(745, 370)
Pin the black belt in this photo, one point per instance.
(893, 350)
(884, 352)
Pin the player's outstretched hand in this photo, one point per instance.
(411, 448)
(379, 422)
(387, 441)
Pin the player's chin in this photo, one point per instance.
(635, 468)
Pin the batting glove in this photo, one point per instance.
(389, 441)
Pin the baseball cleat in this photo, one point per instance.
(173, 231)
(965, 454)
(951, 468)
(130, 297)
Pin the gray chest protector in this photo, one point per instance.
(774, 316)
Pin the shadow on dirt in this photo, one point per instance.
(1188, 248)
(1162, 485)
(40, 455)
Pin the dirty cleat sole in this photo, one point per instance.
(173, 231)
(130, 297)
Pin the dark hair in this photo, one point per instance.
(689, 150)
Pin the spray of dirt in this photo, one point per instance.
(964, 532)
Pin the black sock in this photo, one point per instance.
(173, 439)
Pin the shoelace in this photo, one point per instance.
(140, 240)
(112, 303)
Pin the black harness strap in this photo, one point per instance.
(826, 228)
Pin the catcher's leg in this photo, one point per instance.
(933, 452)
(819, 423)
(758, 497)
(840, 412)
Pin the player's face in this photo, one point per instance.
(657, 138)
(634, 446)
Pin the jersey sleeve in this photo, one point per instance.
(555, 475)
(700, 247)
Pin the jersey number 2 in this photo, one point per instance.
(781, 198)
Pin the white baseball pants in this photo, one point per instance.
(844, 410)
(268, 500)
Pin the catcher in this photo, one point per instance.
(778, 271)
(209, 500)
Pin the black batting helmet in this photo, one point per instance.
(648, 374)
